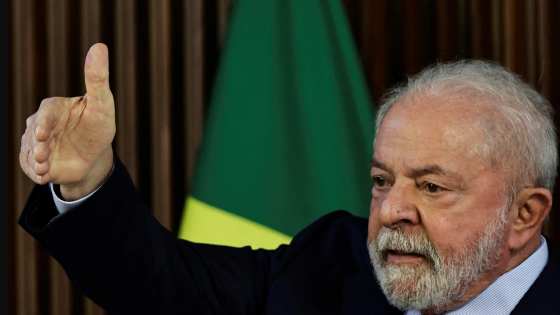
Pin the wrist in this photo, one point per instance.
(97, 175)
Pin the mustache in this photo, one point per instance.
(397, 240)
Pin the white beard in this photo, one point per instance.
(445, 278)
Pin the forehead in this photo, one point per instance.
(431, 131)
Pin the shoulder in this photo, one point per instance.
(337, 238)
(326, 269)
(339, 220)
(333, 231)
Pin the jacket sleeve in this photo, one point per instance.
(117, 254)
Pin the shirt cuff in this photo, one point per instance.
(63, 205)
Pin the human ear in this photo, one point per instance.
(532, 205)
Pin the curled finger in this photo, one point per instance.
(24, 157)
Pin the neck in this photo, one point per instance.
(472, 291)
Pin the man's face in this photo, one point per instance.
(435, 233)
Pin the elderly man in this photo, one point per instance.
(464, 165)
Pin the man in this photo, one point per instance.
(464, 165)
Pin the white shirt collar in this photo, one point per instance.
(502, 295)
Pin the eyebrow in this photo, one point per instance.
(421, 171)
(374, 163)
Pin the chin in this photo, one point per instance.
(415, 287)
(438, 280)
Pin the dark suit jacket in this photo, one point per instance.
(115, 251)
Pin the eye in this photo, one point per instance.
(379, 181)
(433, 188)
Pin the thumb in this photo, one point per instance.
(96, 72)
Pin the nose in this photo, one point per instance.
(399, 207)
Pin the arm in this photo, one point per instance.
(115, 251)
(111, 246)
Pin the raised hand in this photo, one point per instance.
(68, 140)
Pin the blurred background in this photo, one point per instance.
(163, 60)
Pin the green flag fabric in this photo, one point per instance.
(289, 132)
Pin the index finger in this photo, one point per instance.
(46, 119)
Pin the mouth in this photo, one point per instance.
(404, 258)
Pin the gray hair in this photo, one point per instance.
(518, 126)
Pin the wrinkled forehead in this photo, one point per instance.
(434, 129)
(454, 119)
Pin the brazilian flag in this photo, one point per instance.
(289, 131)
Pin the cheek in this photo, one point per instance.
(376, 201)
(452, 233)
(374, 225)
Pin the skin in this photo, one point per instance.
(68, 140)
(428, 180)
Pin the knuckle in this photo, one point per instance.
(26, 171)
(45, 102)
(22, 157)
(29, 121)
